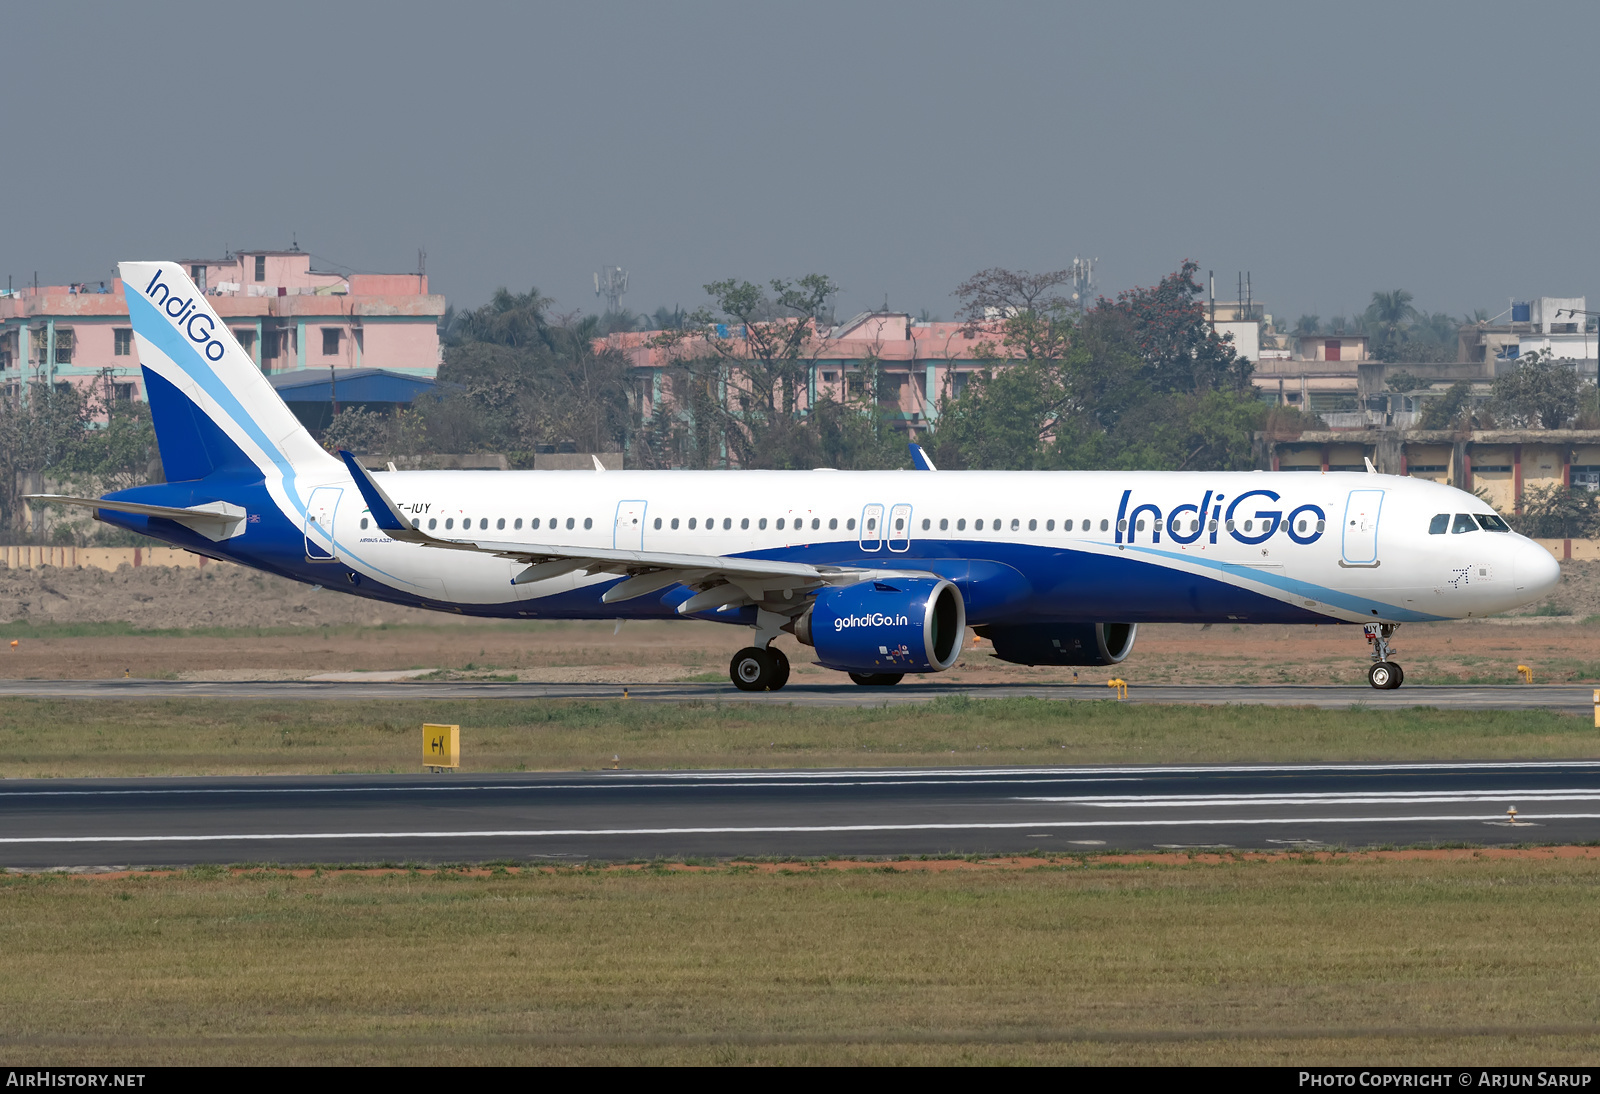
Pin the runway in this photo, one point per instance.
(620, 815)
(1568, 698)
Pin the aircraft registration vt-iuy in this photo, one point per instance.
(879, 572)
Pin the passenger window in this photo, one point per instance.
(1032, 525)
(961, 525)
(872, 524)
(762, 523)
(450, 522)
(588, 522)
(833, 523)
(674, 524)
(1158, 526)
(363, 524)
(1489, 521)
(995, 524)
(849, 525)
(1050, 526)
(780, 524)
(433, 522)
(500, 524)
(1122, 525)
(534, 523)
(416, 522)
(1463, 523)
(899, 524)
(691, 524)
(727, 524)
(658, 524)
(1105, 525)
(1138, 526)
(816, 522)
(1230, 525)
(1320, 525)
(1211, 525)
(926, 524)
(1437, 526)
(517, 524)
(1302, 526)
(744, 522)
(570, 523)
(977, 525)
(1066, 526)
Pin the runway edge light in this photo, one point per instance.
(441, 747)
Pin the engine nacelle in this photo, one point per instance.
(1062, 643)
(889, 626)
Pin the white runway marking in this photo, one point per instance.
(1401, 797)
(543, 833)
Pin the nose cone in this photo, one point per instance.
(1537, 572)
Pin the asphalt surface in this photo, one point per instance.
(619, 815)
(1573, 699)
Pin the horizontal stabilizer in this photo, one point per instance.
(216, 520)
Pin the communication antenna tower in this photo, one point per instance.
(611, 283)
(1081, 273)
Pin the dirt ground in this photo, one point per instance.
(276, 629)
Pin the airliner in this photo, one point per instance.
(879, 573)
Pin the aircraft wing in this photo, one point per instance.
(719, 581)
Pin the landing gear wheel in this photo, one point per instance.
(877, 679)
(780, 668)
(1385, 675)
(752, 669)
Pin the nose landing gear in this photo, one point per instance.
(1384, 674)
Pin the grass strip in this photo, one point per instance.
(1332, 959)
(73, 737)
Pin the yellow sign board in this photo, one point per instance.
(441, 746)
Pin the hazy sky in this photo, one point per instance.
(1450, 149)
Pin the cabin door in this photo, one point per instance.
(900, 528)
(629, 534)
(319, 523)
(1361, 527)
(872, 527)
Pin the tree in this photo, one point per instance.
(1387, 316)
(1308, 324)
(1168, 326)
(745, 362)
(1541, 391)
(1405, 383)
(1559, 512)
(1443, 412)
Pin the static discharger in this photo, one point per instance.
(1526, 672)
(441, 747)
(1121, 685)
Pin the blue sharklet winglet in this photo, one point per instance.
(384, 511)
(919, 458)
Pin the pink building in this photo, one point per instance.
(919, 360)
(286, 315)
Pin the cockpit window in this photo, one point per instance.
(1463, 523)
(1439, 525)
(1491, 523)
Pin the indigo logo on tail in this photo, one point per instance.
(185, 312)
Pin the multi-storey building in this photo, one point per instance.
(286, 315)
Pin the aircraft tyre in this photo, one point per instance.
(780, 668)
(877, 679)
(752, 669)
(1385, 675)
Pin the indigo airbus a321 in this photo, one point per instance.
(878, 572)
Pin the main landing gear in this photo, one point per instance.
(1384, 674)
(757, 669)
